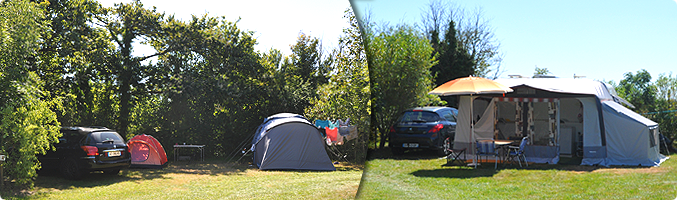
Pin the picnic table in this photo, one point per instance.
(178, 147)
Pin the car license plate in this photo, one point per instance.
(116, 153)
(410, 145)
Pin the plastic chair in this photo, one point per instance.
(516, 152)
(487, 148)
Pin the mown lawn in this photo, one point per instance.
(200, 181)
(420, 176)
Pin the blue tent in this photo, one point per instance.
(289, 142)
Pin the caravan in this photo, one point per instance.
(562, 117)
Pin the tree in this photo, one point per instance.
(73, 63)
(656, 101)
(540, 72)
(346, 94)
(27, 126)
(477, 37)
(453, 62)
(665, 113)
(473, 32)
(297, 77)
(214, 89)
(126, 23)
(399, 69)
(638, 90)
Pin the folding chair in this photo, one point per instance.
(454, 157)
(487, 148)
(515, 152)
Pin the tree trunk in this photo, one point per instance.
(124, 79)
(384, 138)
(125, 98)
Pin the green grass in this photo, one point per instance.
(425, 178)
(200, 181)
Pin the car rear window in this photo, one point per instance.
(449, 115)
(100, 137)
(419, 116)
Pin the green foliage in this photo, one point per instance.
(293, 81)
(540, 72)
(73, 64)
(666, 106)
(654, 100)
(453, 61)
(399, 69)
(347, 94)
(125, 23)
(212, 88)
(638, 90)
(27, 129)
(473, 34)
(27, 125)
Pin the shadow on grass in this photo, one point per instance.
(414, 154)
(462, 171)
(52, 178)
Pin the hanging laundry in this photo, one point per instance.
(332, 134)
(352, 133)
(344, 130)
(322, 123)
(334, 124)
(339, 140)
(342, 123)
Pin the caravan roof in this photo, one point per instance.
(601, 90)
(563, 85)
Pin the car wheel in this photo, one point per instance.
(444, 150)
(70, 169)
(111, 172)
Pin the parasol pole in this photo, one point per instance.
(472, 132)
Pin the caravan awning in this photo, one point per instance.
(527, 99)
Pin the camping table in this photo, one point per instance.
(499, 144)
(200, 147)
(503, 145)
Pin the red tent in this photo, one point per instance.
(147, 152)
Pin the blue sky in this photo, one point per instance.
(601, 40)
(276, 23)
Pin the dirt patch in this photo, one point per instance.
(643, 170)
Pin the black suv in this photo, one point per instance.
(429, 128)
(84, 149)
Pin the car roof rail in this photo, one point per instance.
(97, 127)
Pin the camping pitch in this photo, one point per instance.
(289, 142)
(147, 152)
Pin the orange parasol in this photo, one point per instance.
(470, 86)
